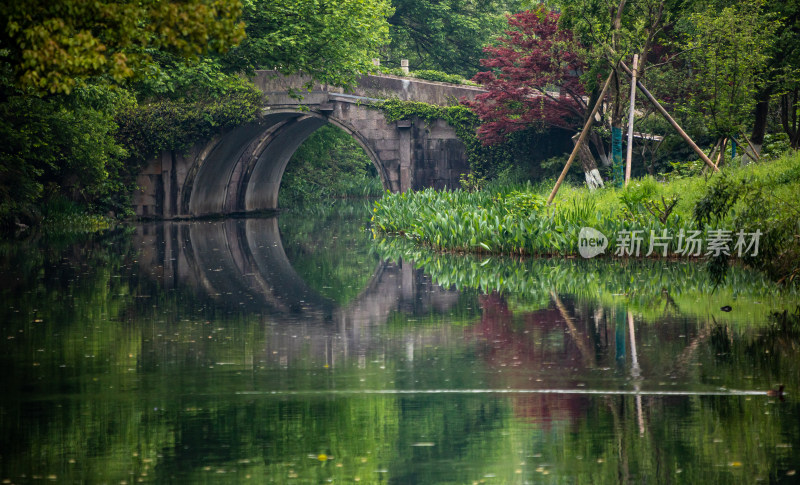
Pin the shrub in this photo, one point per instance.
(439, 76)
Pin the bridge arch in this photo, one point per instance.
(262, 182)
(241, 170)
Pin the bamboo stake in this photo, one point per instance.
(721, 153)
(669, 118)
(716, 147)
(584, 345)
(752, 147)
(581, 138)
(629, 154)
(635, 369)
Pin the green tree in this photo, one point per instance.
(447, 35)
(61, 64)
(53, 44)
(782, 76)
(57, 147)
(727, 51)
(333, 41)
(609, 31)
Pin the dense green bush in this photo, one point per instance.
(57, 147)
(183, 109)
(440, 76)
(82, 151)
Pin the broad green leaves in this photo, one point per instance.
(54, 44)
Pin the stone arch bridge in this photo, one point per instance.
(240, 170)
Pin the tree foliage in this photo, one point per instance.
(447, 35)
(332, 40)
(57, 147)
(54, 44)
(782, 76)
(330, 163)
(642, 23)
(727, 51)
(533, 78)
(182, 102)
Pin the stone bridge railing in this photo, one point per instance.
(369, 87)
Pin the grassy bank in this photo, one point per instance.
(516, 220)
(58, 218)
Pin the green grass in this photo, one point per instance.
(516, 220)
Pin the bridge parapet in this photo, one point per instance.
(377, 87)
(241, 170)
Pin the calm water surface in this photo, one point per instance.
(298, 350)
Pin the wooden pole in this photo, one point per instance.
(716, 147)
(581, 138)
(752, 148)
(629, 154)
(721, 153)
(672, 122)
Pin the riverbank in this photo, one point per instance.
(750, 213)
(59, 219)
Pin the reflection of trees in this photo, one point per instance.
(328, 247)
(642, 438)
(149, 386)
(66, 337)
(649, 287)
(516, 347)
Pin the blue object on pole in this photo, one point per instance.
(620, 338)
(616, 156)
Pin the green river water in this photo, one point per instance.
(298, 349)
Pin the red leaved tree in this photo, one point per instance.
(534, 79)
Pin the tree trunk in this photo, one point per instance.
(759, 126)
(600, 148)
(789, 117)
(793, 117)
(616, 129)
(589, 165)
(616, 103)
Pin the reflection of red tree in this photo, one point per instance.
(524, 348)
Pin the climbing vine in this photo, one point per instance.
(485, 161)
(166, 124)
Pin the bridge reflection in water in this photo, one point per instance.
(468, 342)
(241, 265)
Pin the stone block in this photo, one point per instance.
(388, 154)
(387, 144)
